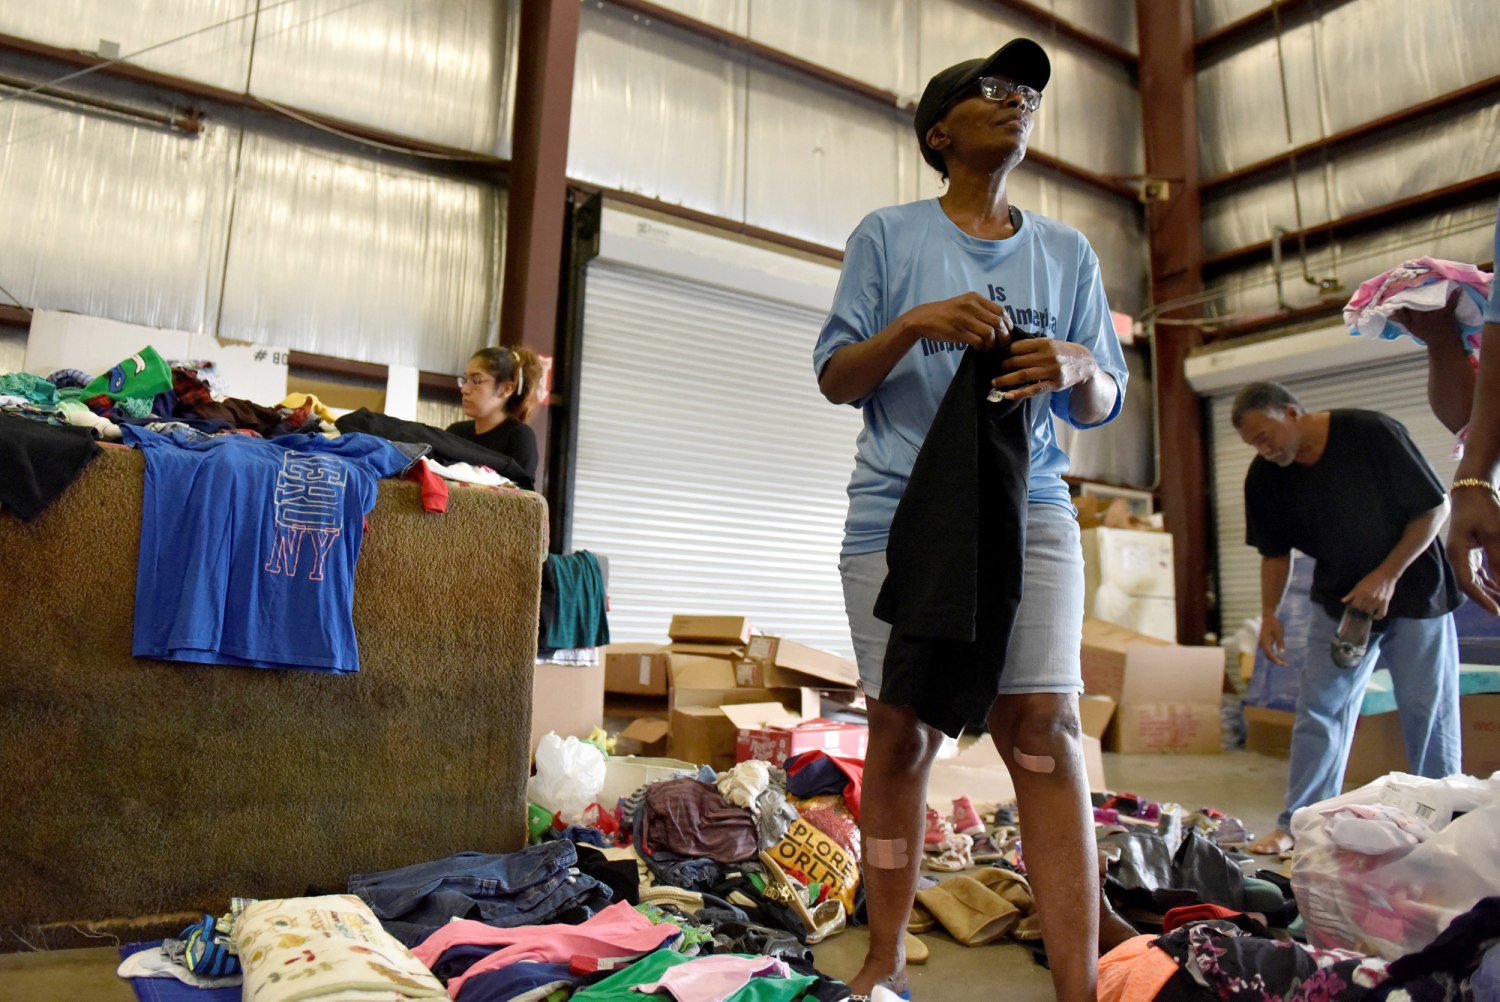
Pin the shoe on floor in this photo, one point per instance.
(916, 950)
(965, 818)
(938, 830)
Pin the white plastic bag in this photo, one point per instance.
(569, 776)
(1394, 904)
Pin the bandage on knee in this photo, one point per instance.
(887, 853)
(1033, 763)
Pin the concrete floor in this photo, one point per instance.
(1240, 783)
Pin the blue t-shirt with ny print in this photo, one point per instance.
(248, 547)
(1046, 276)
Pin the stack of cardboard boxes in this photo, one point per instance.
(1128, 580)
(718, 692)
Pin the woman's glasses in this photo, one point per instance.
(995, 89)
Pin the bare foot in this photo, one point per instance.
(874, 973)
(1274, 844)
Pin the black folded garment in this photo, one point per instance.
(446, 446)
(38, 461)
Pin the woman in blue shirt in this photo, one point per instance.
(922, 284)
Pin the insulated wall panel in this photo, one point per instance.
(1211, 14)
(873, 41)
(1113, 20)
(730, 15)
(356, 259)
(437, 70)
(1462, 234)
(113, 219)
(1379, 56)
(1248, 215)
(203, 40)
(820, 160)
(1093, 112)
(1240, 114)
(657, 113)
(1373, 174)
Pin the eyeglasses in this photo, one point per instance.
(995, 89)
(471, 381)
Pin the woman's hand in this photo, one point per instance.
(1044, 365)
(1474, 545)
(968, 319)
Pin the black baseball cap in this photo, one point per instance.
(1019, 59)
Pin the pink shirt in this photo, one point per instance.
(617, 933)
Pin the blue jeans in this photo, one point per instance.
(1422, 657)
(518, 888)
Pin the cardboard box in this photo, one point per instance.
(635, 669)
(699, 681)
(772, 733)
(645, 736)
(711, 629)
(1169, 701)
(703, 650)
(702, 735)
(629, 707)
(1137, 562)
(1094, 714)
(1128, 580)
(776, 662)
(1481, 734)
(1379, 748)
(1269, 731)
(1104, 649)
(568, 699)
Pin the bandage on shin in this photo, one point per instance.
(887, 853)
(1033, 763)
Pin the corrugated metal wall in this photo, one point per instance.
(1350, 64)
(258, 229)
(1353, 64)
(662, 113)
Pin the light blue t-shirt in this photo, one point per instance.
(248, 547)
(1046, 277)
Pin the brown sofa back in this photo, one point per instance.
(132, 787)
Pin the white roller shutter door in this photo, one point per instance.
(710, 469)
(1397, 388)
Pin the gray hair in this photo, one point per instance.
(1265, 398)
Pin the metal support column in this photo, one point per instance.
(536, 216)
(1169, 115)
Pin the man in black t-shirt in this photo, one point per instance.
(1349, 489)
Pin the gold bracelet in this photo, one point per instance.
(1476, 482)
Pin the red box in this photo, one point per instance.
(772, 734)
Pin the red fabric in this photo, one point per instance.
(1194, 913)
(851, 767)
(434, 487)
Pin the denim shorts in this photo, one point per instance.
(1044, 644)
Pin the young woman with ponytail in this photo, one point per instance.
(499, 388)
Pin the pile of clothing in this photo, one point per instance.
(699, 908)
(252, 516)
